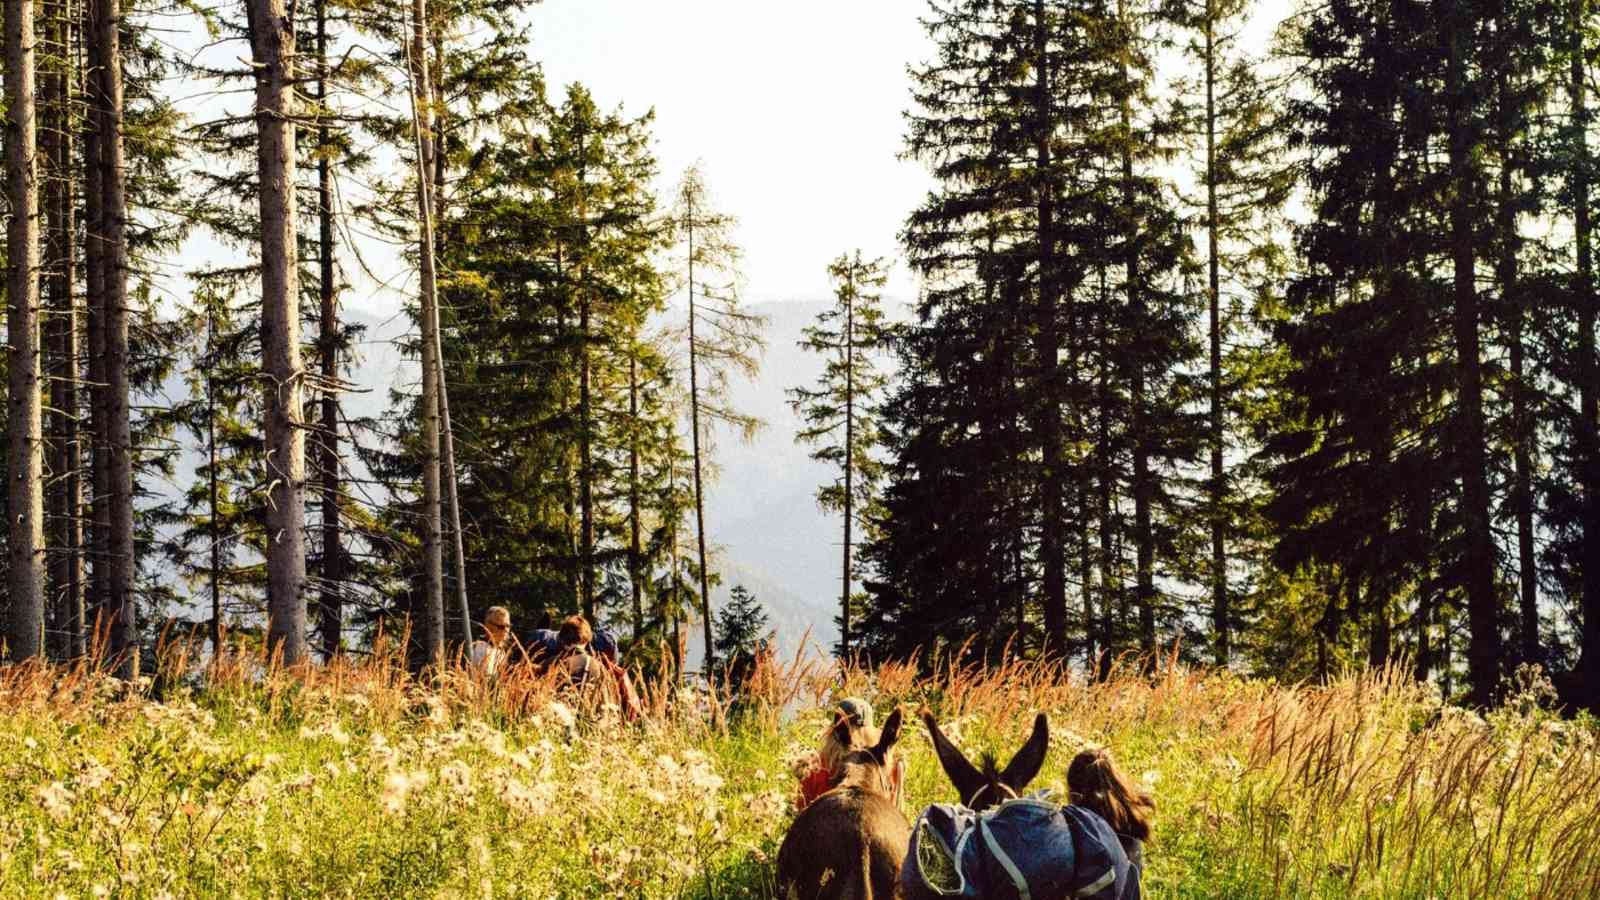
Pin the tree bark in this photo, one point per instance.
(1521, 422)
(1143, 539)
(1221, 615)
(849, 455)
(66, 569)
(694, 429)
(432, 550)
(331, 591)
(1482, 604)
(635, 554)
(1048, 345)
(1588, 431)
(272, 39)
(25, 445)
(94, 254)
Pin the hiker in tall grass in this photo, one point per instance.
(851, 729)
(1095, 783)
(488, 654)
(583, 667)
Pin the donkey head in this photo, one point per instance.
(869, 768)
(981, 788)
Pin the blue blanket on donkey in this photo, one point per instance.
(1029, 848)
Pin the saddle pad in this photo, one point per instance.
(1030, 849)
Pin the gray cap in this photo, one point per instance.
(857, 710)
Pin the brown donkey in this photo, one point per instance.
(985, 787)
(848, 844)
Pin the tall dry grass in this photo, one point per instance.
(1366, 786)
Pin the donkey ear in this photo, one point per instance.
(961, 773)
(841, 731)
(1030, 759)
(891, 734)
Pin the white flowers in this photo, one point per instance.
(56, 800)
(397, 788)
(457, 777)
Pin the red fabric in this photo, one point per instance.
(627, 698)
(814, 785)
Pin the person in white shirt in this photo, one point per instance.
(488, 655)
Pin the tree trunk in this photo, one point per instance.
(1521, 422)
(331, 591)
(1221, 615)
(272, 39)
(66, 570)
(1110, 584)
(1143, 538)
(1052, 549)
(432, 551)
(452, 485)
(694, 429)
(1588, 439)
(94, 252)
(635, 553)
(849, 454)
(25, 446)
(119, 435)
(212, 491)
(1482, 604)
(585, 442)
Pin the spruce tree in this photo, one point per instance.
(840, 412)
(723, 339)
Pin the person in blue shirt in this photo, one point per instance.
(547, 643)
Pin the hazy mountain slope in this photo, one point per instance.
(761, 513)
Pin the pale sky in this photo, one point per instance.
(794, 110)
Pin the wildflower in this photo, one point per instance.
(93, 775)
(56, 800)
(457, 777)
(562, 713)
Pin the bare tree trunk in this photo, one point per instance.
(331, 591)
(1483, 653)
(1143, 539)
(272, 39)
(214, 527)
(66, 569)
(1221, 615)
(1588, 437)
(1048, 414)
(585, 455)
(694, 429)
(121, 603)
(1521, 422)
(635, 552)
(25, 445)
(451, 476)
(849, 456)
(432, 550)
(94, 253)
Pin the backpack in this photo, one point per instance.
(1029, 848)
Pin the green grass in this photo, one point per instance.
(353, 783)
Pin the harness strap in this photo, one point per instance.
(1004, 789)
(1004, 860)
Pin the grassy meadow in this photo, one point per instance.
(352, 781)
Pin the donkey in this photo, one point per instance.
(997, 843)
(848, 844)
(985, 787)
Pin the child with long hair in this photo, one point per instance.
(1095, 783)
(851, 729)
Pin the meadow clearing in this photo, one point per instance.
(353, 781)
